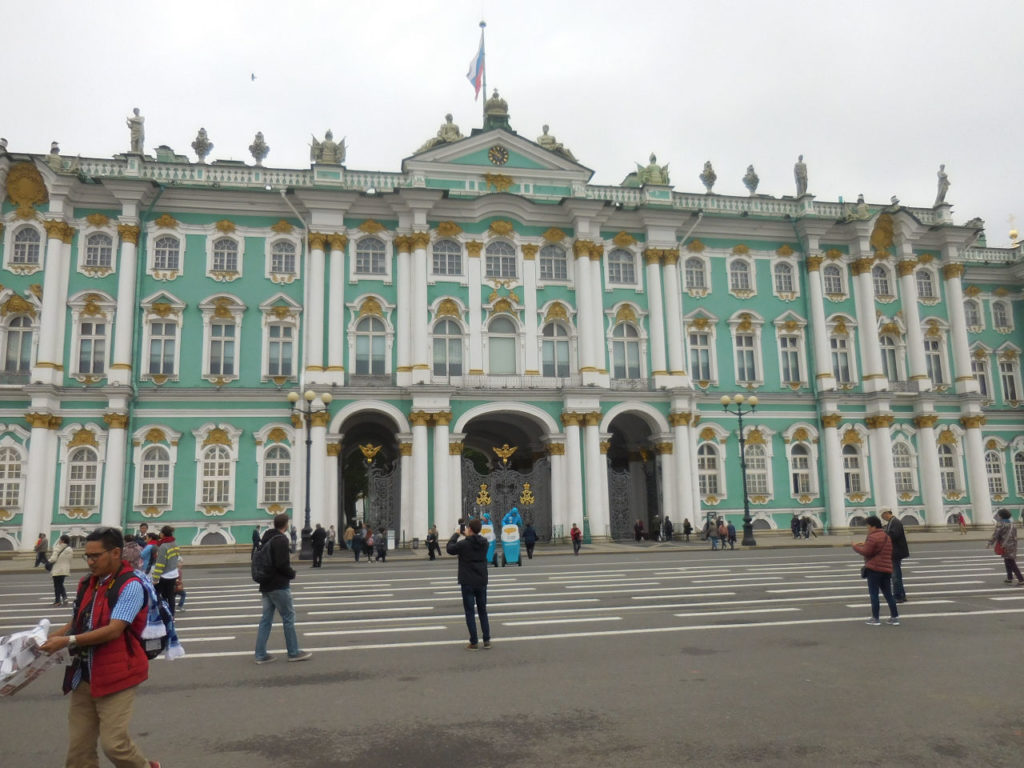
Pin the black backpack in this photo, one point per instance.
(262, 565)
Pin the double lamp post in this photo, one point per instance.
(738, 401)
(306, 412)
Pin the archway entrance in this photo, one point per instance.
(369, 467)
(504, 465)
(634, 477)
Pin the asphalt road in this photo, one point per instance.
(662, 659)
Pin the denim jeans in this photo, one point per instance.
(280, 599)
(897, 580)
(878, 580)
(478, 595)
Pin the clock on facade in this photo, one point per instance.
(498, 155)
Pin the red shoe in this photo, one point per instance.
(154, 764)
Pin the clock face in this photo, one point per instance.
(498, 155)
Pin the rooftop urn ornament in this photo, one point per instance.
(653, 173)
(202, 145)
(54, 148)
(940, 197)
(136, 126)
(446, 134)
(496, 113)
(751, 180)
(708, 177)
(259, 149)
(551, 144)
(328, 151)
(800, 174)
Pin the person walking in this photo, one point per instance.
(294, 537)
(148, 554)
(723, 532)
(357, 541)
(962, 522)
(687, 529)
(877, 553)
(804, 524)
(165, 572)
(318, 538)
(255, 540)
(368, 543)
(900, 551)
(332, 536)
(347, 536)
(61, 559)
(276, 595)
(529, 539)
(730, 530)
(109, 661)
(577, 539)
(638, 531)
(380, 543)
(669, 529)
(1004, 538)
(40, 550)
(472, 553)
(794, 526)
(143, 535)
(432, 542)
(712, 533)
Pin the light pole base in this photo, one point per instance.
(748, 536)
(306, 551)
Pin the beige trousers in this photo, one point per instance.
(107, 718)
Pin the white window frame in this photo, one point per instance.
(503, 260)
(202, 435)
(5, 334)
(98, 444)
(101, 307)
(718, 439)
(798, 332)
(386, 237)
(280, 310)
(933, 279)
(143, 438)
(565, 261)
(794, 278)
(1008, 358)
(939, 340)
(756, 327)
(851, 346)
(175, 314)
(911, 471)
(153, 235)
(356, 314)
(15, 439)
(899, 349)
(1008, 312)
(277, 276)
(270, 436)
(11, 230)
(844, 291)
(995, 473)
(85, 234)
(705, 271)
(1017, 460)
(769, 454)
(568, 339)
(221, 308)
(639, 340)
(376, 266)
(632, 255)
(979, 315)
(808, 441)
(462, 345)
(224, 274)
(883, 297)
(956, 467)
(434, 274)
(517, 337)
(711, 329)
(734, 289)
(703, 488)
(981, 369)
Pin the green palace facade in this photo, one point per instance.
(492, 330)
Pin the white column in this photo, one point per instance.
(597, 520)
(681, 458)
(598, 348)
(531, 364)
(977, 477)
(698, 513)
(49, 356)
(318, 469)
(407, 501)
(584, 308)
(659, 365)
(833, 461)
(419, 523)
(476, 346)
(331, 513)
(574, 473)
(928, 465)
(35, 517)
(403, 336)
(823, 375)
(912, 320)
(559, 498)
(65, 279)
(965, 381)
(665, 449)
(881, 461)
(441, 469)
(315, 310)
(421, 314)
(127, 306)
(336, 311)
(870, 354)
(674, 315)
(113, 470)
(606, 504)
(446, 519)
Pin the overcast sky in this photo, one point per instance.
(875, 94)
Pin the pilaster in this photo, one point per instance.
(962, 374)
(476, 346)
(981, 501)
(421, 315)
(112, 510)
(335, 373)
(928, 462)
(127, 304)
(833, 463)
(314, 314)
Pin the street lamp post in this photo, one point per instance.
(739, 401)
(311, 398)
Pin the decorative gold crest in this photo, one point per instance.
(526, 498)
(785, 250)
(83, 437)
(448, 308)
(557, 311)
(282, 227)
(26, 189)
(277, 435)
(217, 436)
(97, 220)
(483, 498)
(554, 235)
(370, 451)
(166, 221)
(499, 182)
(448, 229)
(740, 249)
(16, 305)
(502, 228)
(371, 227)
(371, 307)
(624, 240)
(626, 314)
(505, 452)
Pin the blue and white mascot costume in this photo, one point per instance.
(487, 531)
(510, 536)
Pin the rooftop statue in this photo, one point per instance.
(708, 177)
(800, 174)
(858, 212)
(549, 143)
(653, 173)
(328, 151)
(940, 198)
(446, 134)
(3, 146)
(202, 145)
(259, 148)
(751, 180)
(136, 125)
(54, 148)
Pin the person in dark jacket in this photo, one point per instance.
(318, 539)
(530, 539)
(277, 595)
(357, 540)
(255, 540)
(687, 529)
(900, 551)
(668, 528)
(877, 553)
(472, 554)
(794, 526)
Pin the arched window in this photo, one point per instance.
(994, 472)
(10, 477)
(880, 280)
(972, 313)
(156, 476)
(925, 284)
(903, 467)
(26, 246)
(501, 345)
(625, 352)
(501, 260)
(948, 474)
(371, 343)
(832, 276)
(18, 351)
(890, 364)
(447, 257)
(166, 254)
(707, 469)
(282, 258)
(1018, 471)
(99, 250)
(83, 470)
(739, 276)
(1000, 314)
(277, 473)
(225, 255)
(621, 267)
(695, 276)
(757, 470)
(852, 474)
(784, 278)
(553, 263)
(370, 256)
(554, 350)
(800, 469)
(280, 349)
(216, 475)
(447, 348)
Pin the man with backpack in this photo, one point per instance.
(109, 659)
(272, 570)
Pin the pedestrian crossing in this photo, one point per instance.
(415, 604)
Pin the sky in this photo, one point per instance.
(875, 94)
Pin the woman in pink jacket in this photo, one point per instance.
(877, 553)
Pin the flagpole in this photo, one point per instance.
(483, 25)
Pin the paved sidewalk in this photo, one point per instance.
(239, 555)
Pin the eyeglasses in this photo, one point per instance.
(89, 558)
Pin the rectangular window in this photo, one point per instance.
(746, 370)
(280, 350)
(1008, 374)
(979, 369)
(700, 356)
(501, 266)
(790, 358)
(933, 360)
(370, 262)
(840, 360)
(92, 348)
(222, 349)
(553, 267)
(162, 341)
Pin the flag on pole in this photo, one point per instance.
(475, 75)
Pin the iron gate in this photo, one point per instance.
(503, 487)
(619, 485)
(382, 509)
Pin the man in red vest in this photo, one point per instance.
(110, 660)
